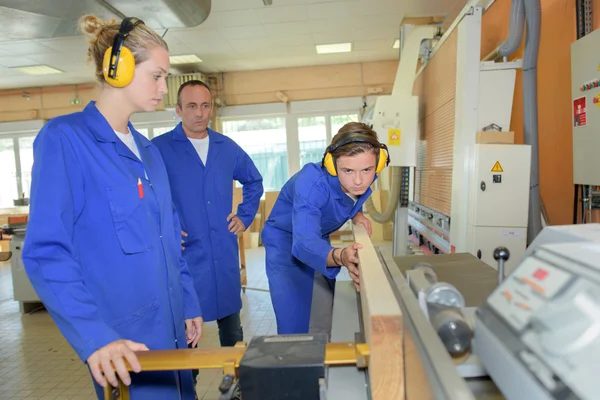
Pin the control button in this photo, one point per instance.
(533, 285)
(542, 278)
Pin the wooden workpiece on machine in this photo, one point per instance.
(382, 320)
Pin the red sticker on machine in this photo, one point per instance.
(540, 274)
(580, 111)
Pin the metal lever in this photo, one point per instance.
(501, 254)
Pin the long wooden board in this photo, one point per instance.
(382, 320)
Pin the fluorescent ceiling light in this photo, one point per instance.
(396, 44)
(38, 70)
(334, 48)
(185, 59)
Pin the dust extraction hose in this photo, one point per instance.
(388, 214)
(515, 33)
(533, 16)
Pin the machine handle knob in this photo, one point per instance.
(501, 254)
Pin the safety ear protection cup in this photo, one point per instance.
(329, 164)
(118, 65)
(383, 158)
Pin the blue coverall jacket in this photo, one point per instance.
(203, 197)
(105, 260)
(310, 206)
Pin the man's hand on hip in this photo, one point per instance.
(235, 224)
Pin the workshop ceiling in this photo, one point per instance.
(228, 35)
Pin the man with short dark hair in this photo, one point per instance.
(202, 165)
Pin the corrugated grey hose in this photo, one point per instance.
(515, 32)
(388, 214)
(533, 17)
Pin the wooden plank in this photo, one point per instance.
(382, 320)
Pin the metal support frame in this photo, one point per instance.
(228, 359)
(584, 25)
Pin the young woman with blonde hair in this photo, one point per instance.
(103, 245)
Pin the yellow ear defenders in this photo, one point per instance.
(383, 158)
(118, 65)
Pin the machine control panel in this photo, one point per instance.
(545, 319)
(531, 286)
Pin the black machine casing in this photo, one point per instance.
(283, 367)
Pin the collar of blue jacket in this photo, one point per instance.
(101, 129)
(179, 135)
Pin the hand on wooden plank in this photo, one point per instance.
(360, 219)
(349, 258)
(100, 362)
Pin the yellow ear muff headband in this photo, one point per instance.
(383, 158)
(118, 65)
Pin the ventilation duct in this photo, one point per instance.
(173, 83)
(34, 19)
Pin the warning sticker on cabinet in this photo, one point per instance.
(497, 167)
(394, 137)
(580, 112)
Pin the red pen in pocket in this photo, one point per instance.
(140, 188)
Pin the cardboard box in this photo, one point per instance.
(493, 137)
(4, 245)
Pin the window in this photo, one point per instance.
(26, 158)
(337, 121)
(8, 173)
(264, 140)
(159, 131)
(312, 135)
(143, 131)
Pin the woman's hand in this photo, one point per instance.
(114, 353)
(193, 330)
(360, 219)
(350, 260)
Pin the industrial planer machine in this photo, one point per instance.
(433, 327)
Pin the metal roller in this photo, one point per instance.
(441, 303)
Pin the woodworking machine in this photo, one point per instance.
(464, 332)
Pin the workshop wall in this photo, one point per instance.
(43, 103)
(554, 97)
(234, 88)
(309, 83)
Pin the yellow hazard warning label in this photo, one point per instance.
(497, 167)
(394, 137)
